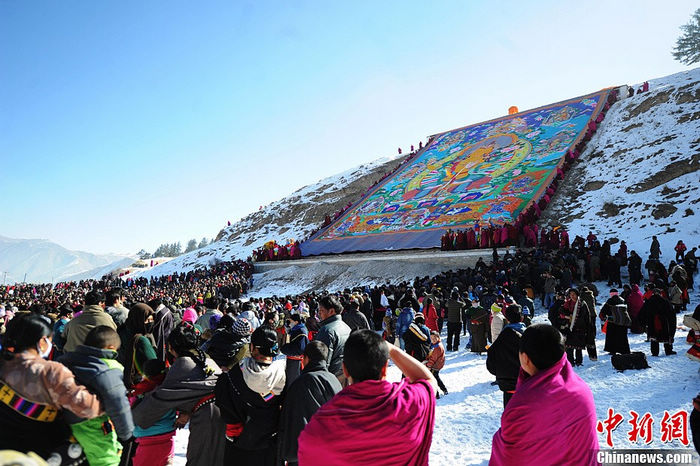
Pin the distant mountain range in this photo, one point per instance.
(43, 261)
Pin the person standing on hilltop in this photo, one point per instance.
(655, 249)
(634, 267)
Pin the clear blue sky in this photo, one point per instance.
(128, 124)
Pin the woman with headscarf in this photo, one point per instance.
(188, 388)
(138, 345)
(163, 324)
(34, 391)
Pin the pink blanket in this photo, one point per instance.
(372, 422)
(551, 419)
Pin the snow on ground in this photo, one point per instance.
(639, 175)
(469, 415)
(637, 178)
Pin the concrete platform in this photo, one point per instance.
(429, 257)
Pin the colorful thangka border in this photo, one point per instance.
(485, 173)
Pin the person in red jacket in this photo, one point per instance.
(431, 316)
(680, 251)
(436, 360)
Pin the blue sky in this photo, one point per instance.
(124, 125)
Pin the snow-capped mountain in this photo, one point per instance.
(43, 261)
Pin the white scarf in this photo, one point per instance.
(574, 314)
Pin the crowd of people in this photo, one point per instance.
(273, 251)
(121, 368)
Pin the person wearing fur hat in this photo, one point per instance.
(249, 398)
(577, 318)
(229, 343)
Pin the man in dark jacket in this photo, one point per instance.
(503, 358)
(352, 316)
(589, 298)
(634, 266)
(314, 387)
(333, 332)
(660, 321)
(454, 320)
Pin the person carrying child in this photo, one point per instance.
(95, 365)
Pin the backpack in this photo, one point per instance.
(635, 360)
(620, 316)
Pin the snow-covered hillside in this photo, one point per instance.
(43, 261)
(293, 217)
(639, 175)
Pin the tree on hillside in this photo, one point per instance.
(203, 243)
(142, 254)
(162, 251)
(687, 49)
(191, 246)
(177, 249)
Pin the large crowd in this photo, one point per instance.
(120, 364)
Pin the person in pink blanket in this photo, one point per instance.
(373, 421)
(551, 418)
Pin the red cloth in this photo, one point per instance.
(551, 419)
(431, 318)
(156, 450)
(372, 422)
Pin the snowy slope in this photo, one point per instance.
(293, 217)
(639, 175)
(43, 261)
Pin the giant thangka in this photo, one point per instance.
(485, 173)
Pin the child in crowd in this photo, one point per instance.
(156, 444)
(389, 327)
(95, 365)
(436, 360)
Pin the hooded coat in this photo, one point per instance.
(551, 419)
(98, 370)
(311, 390)
(503, 359)
(249, 398)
